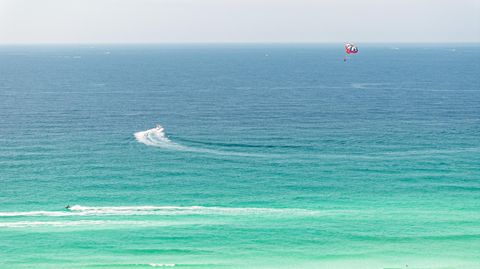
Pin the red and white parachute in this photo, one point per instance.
(351, 48)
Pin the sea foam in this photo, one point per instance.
(91, 223)
(156, 137)
(78, 210)
(162, 264)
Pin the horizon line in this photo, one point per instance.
(236, 43)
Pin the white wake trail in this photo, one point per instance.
(78, 210)
(156, 137)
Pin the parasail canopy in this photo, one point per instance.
(351, 48)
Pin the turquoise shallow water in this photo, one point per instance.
(272, 156)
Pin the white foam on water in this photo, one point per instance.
(34, 214)
(78, 210)
(156, 137)
(162, 264)
(92, 223)
(182, 210)
(366, 85)
(99, 223)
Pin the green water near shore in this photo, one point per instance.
(295, 160)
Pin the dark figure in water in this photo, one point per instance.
(67, 207)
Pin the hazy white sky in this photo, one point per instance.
(141, 21)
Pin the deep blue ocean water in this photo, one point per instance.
(271, 156)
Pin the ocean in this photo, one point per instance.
(265, 156)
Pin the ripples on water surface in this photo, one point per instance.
(295, 160)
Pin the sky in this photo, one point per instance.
(211, 21)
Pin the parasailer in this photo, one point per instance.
(350, 49)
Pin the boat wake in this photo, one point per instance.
(156, 137)
(365, 86)
(78, 210)
(75, 223)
